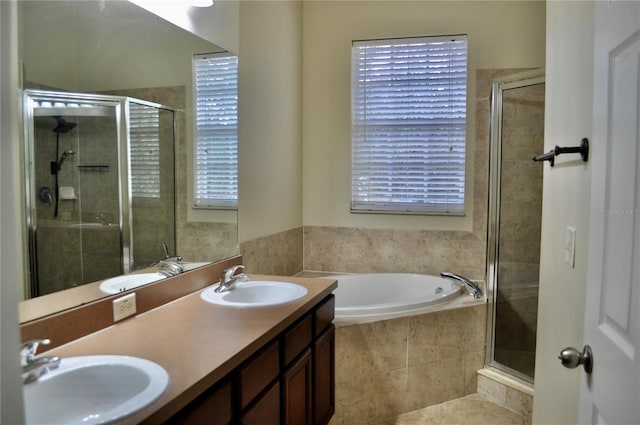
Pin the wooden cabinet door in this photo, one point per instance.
(324, 377)
(213, 407)
(297, 391)
(266, 411)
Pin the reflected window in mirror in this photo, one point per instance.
(215, 82)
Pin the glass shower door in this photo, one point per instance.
(74, 216)
(515, 221)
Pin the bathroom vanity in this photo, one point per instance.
(230, 365)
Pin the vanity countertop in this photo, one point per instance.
(196, 342)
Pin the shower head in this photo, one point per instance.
(64, 156)
(63, 125)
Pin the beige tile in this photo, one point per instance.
(520, 403)
(423, 339)
(492, 390)
(354, 353)
(427, 416)
(422, 388)
(450, 379)
(476, 410)
(390, 352)
(390, 395)
(354, 405)
(472, 363)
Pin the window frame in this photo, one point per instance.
(200, 202)
(360, 124)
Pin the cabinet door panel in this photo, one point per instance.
(297, 397)
(266, 411)
(258, 372)
(324, 377)
(213, 407)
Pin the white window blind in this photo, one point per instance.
(408, 125)
(144, 151)
(216, 130)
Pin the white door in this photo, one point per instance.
(611, 393)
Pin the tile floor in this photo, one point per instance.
(473, 409)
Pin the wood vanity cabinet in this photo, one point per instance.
(290, 381)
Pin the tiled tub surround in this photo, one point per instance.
(395, 366)
(279, 254)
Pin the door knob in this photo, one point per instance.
(572, 358)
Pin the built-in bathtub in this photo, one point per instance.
(369, 297)
(403, 342)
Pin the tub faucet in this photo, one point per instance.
(33, 368)
(229, 279)
(472, 288)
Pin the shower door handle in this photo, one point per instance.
(572, 358)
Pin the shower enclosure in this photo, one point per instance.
(515, 209)
(99, 186)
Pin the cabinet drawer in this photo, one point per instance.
(324, 314)
(258, 372)
(297, 338)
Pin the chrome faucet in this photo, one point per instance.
(472, 288)
(169, 268)
(174, 258)
(229, 279)
(33, 368)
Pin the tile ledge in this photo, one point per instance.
(509, 381)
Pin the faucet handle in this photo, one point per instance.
(29, 349)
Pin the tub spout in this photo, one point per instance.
(472, 288)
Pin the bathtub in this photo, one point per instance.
(362, 298)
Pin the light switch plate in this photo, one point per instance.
(124, 307)
(570, 246)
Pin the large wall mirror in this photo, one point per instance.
(95, 73)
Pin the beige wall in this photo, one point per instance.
(565, 202)
(500, 35)
(270, 118)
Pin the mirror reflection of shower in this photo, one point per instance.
(517, 135)
(62, 127)
(83, 186)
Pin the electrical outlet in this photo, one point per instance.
(570, 246)
(124, 307)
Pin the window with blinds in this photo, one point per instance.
(144, 151)
(408, 125)
(216, 130)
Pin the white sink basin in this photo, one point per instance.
(256, 293)
(94, 390)
(128, 281)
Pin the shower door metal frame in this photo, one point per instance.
(518, 80)
(121, 114)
